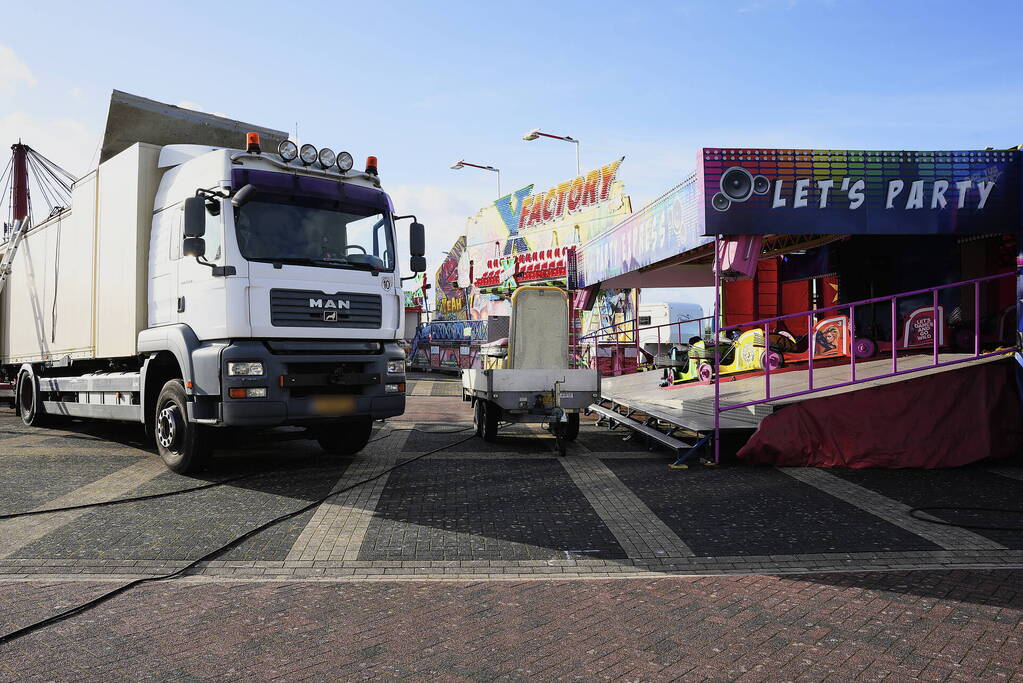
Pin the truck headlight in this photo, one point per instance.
(247, 369)
(395, 367)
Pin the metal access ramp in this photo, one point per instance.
(651, 428)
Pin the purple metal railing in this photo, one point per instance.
(938, 331)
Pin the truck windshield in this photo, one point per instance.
(345, 236)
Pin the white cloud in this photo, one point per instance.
(13, 72)
(443, 211)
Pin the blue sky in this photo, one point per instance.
(423, 84)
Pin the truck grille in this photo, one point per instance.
(302, 308)
(316, 379)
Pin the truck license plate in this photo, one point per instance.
(567, 394)
(333, 405)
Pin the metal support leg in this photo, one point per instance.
(680, 462)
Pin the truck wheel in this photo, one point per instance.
(184, 446)
(29, 402)
(345, 438)
(571, 428)
(484, 419)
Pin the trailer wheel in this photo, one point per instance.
(184, 446)
(484, 419)
(345, 438)
(571, 428)
(29, 402)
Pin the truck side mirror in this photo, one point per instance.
(417, 241)
(243, 196)
(194, 246)
(417, 264)
(195, 217)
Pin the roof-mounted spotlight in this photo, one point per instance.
(327, 157)
(288, 150)
(308, 154)
(344, 161)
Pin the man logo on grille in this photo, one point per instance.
(330, 303)
(330, 316)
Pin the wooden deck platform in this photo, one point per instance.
(692, 406)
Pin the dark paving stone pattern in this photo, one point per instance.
(966, 487)
(33, 479)
(454, 509)
(933, 626)
(512, 440)
(603, 440)
(754, 511)
(192, 524)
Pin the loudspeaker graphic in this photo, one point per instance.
(761, 184)
(737, 184)
(720, 202)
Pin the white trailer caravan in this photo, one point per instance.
(199, 286)
(652, 315)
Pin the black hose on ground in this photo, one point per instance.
(927, 511)
(222, 482)
(78, 609)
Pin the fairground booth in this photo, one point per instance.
(529, 237)
(867, 308)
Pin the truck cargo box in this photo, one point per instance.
(78, 282)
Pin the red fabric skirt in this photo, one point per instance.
(945, 419)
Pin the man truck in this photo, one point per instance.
(191, 287)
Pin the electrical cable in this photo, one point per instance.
(98, 600)
(119, 501)
(165, 494)
(421, 431)
(926, 510)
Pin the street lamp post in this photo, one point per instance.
(536, 133)
(462, 163)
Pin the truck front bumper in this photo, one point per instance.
(306, 389)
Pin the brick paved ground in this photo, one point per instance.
(341, 586)
(958, 625)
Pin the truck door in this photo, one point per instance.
(164, 253)
(201, 299)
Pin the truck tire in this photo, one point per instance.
(484, 419)
(29, 403)
(345, 438)
(183, 446)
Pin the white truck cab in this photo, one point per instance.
(259, 289)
